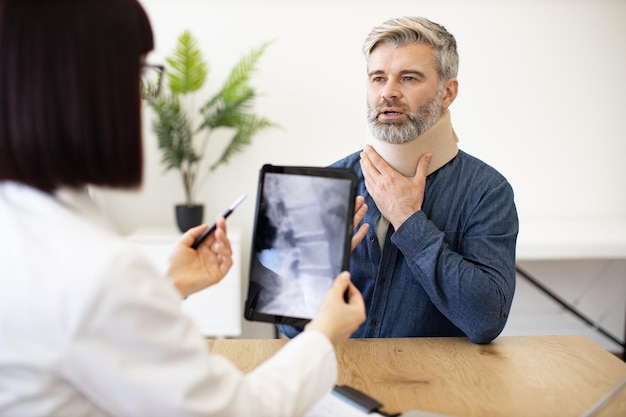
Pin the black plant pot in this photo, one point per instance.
(188, 215)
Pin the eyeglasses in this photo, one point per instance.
(151, 80)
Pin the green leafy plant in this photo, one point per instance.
(183, 132)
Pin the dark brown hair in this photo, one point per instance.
(70, 110)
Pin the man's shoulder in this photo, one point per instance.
(347, 161)
(467, 161)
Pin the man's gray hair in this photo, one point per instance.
(407, 30)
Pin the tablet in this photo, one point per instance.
(300, 242)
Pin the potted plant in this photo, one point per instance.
(183, 132)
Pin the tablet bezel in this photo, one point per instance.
(250, 311)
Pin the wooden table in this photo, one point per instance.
(513, 376)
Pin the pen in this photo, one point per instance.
(210, 230)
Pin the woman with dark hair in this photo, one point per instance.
(88, 327)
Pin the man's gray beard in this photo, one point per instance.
(415, 124)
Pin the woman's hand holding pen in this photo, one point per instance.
(193, 270)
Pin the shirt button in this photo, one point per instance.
(374, 322)
(383, 281)
(372, 239)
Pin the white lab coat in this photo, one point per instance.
(88, 327)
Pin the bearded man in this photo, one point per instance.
(439, 257)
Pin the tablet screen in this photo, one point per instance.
(301, 240)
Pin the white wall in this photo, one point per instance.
(542, 97)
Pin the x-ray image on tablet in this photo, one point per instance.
(301, 240)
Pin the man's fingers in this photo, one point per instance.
(360, 209)
(359, 236)
(422, 166)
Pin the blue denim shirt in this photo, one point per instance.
(449, 270)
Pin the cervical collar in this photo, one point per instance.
(439, 140)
